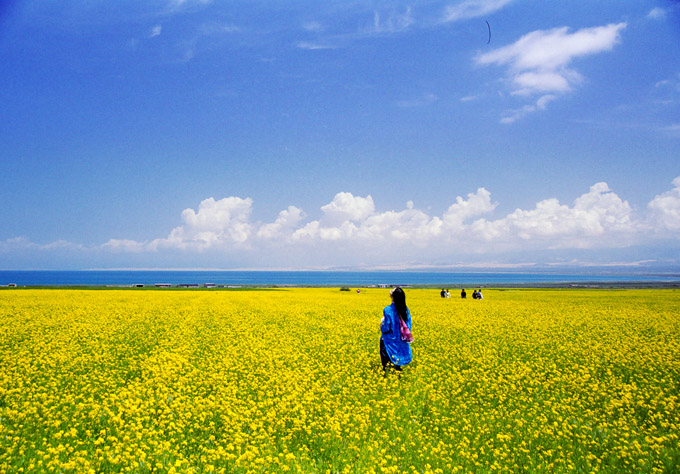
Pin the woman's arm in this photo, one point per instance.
(386, 326)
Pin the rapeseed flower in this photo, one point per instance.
(290, 381)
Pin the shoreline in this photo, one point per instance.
(585, 285)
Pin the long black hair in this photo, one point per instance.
(399, 299)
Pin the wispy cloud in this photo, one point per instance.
(155, 31)
(670, 86)
(426, 99)
(472, 9)
(469, 98)
(391, 22)
(314, 26)
(539, 63)
(656, 14)
(205, 35)
(382, 23)
(22, 243)
(314, 46)
(541, 104)
(217, 29)
(673, 129)
(180, 4)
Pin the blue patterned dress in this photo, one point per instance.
(398, 351)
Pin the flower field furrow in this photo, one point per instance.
(289, 381)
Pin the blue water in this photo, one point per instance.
(308, 278)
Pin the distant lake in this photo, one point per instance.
(312, 278)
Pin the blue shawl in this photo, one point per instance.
(398, 350)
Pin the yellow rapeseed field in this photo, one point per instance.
(288, 381)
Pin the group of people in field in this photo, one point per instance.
(476, 295)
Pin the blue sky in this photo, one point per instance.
(207, 134)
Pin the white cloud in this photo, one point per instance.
(284, 224)
(427, 99)
(155, 31)
(598, 218)
(551, 50)
(468, 98)
(206, 36)
(309, 231)
(177, 4)
(347, 207)
(218, 29)
(477, 204)
(665, 209)
(392, 23)
(125, 245)
(472, 9)
(314, 26)
(216, 221)
(216, 224)
(517, 114)
(312, 46)
(15, 243)
(351, 218)
(349, 227)
(22, 243)
(594, 215)
(656, 14)
(410, 225)
(539, 62)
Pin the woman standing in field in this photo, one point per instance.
(395, 345)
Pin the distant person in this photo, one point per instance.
(479, 294)
(394, 348)
(442, 293)
(448, 295)
(474, 295)
(358, 291)
(463, 294)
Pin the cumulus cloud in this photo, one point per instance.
(539, 63)
(597, 219)
(216, 222)
(284, 224)
(347, 207)
(462, 210)
(665, 210)
(594, 215)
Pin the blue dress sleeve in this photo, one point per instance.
(386, 326)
